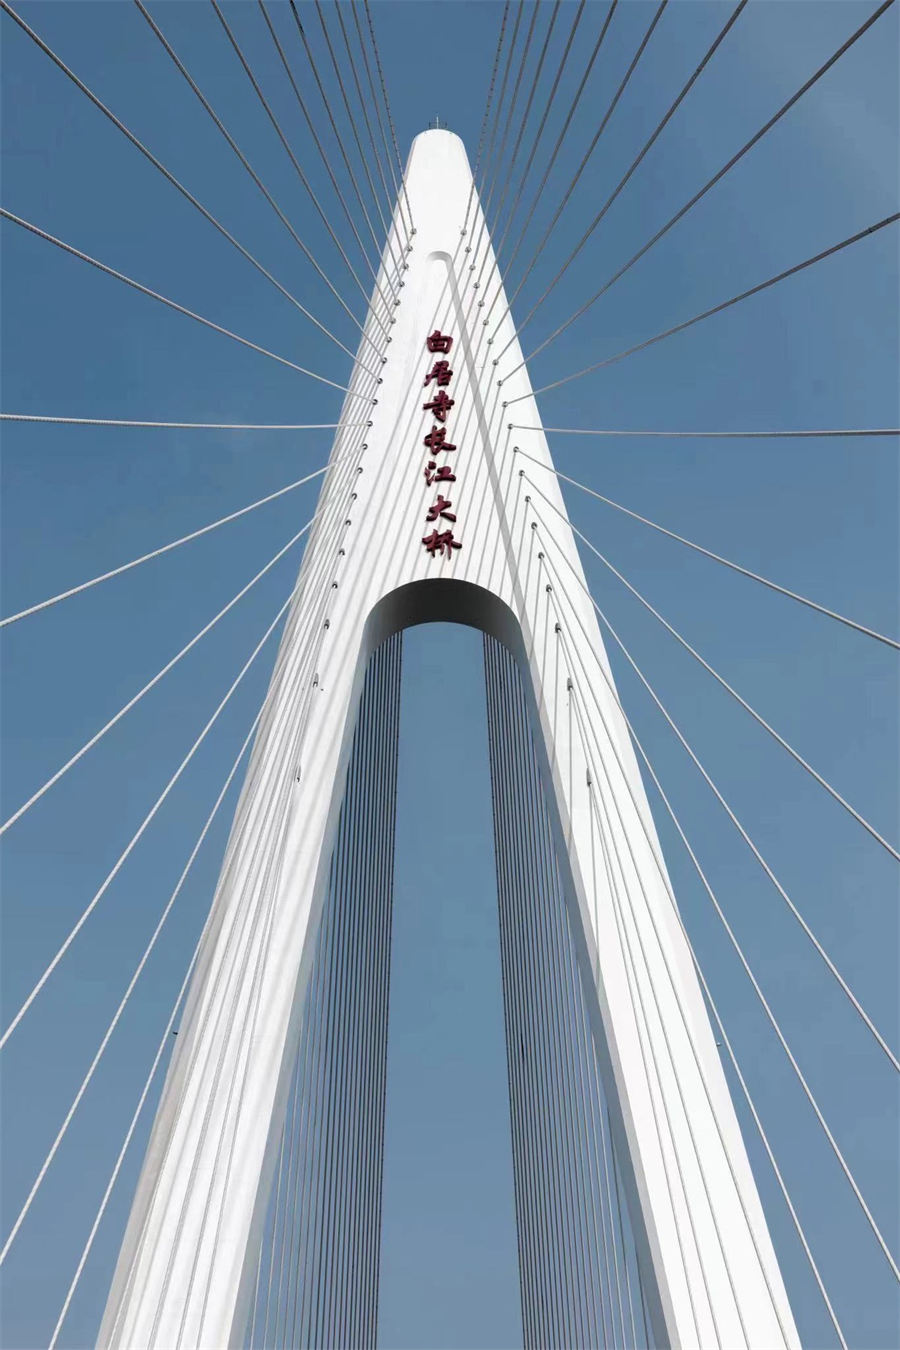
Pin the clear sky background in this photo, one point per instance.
(818, 515)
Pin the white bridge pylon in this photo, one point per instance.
(188, 1262)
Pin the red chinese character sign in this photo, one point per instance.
(437, 440)
(440, 372)
(435, 473)
(439, 543)
(440, 405)
(440, 509)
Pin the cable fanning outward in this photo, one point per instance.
(720, 914)
(111, 875)
(206, 105)
(785, 745)
(86, 1080)
(363, 157)
(171, 304)
(651, 28)
(517, 87)
(719, 38)
(157, 552)
(523, 121)
(640, 1004)
(716, 309)
(301, 102)
(663, 875)
(352, 63)
(139, 145)
(748, 145)
(387, 108)
(486, 114)
(88, 911)
(394, 200)
(820, 949)
(129, 1133)
(541, 126)
(126, 707)
(351, 174)
(829, 964)
(339, 507)
(565, 126)
(489, 167)
(801, 1079)
(387, 304)
(510, 112)
(716, 557)
(267, 108)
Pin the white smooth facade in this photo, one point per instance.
(188, 1263)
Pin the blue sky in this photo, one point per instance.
(820, 516)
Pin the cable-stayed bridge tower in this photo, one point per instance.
(426, 515)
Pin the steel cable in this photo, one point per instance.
(180, 66)
(716, 557)
(80, 1093)
(126, 707)
(351, 173)
(167, 1032)
(488, 159)
(757, 717)
(157, 164)
(396, 199)
(517, 86)
(387, 107)
(516, 90)
(157, 552)
(352, 121)
(748, 145)
(523, 123)
(541, 125)
(263, 919)
(713, 435)
(325, 160)
(673, 903)
(351, 62)
(710, 52)
(807, 1091)
(716, 309)
(486, 114)
(171, 304)
(181, 426)
(829, 964)
(604, 121)
(565, 128)
(323, 215)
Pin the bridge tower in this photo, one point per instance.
(408, 532)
